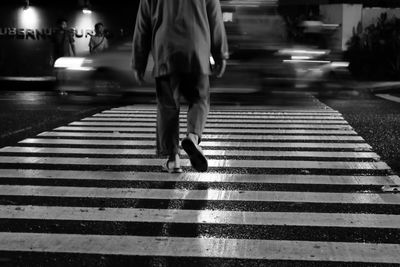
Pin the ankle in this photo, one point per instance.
(174, 157)
(194, 137)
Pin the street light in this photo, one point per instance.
(86, 8)
(28, 16)
(86, 11)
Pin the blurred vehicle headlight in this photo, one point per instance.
(303, 54)
(212, 61)
(339, 64)
(301, 57)
(73, 63)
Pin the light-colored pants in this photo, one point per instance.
(195, 89)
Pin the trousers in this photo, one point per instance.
(195, 89)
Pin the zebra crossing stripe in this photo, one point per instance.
(122, 124)
(203, 144)
(226, 126)
(209, 136)
(239, 112)
(201, 247)
(199, 195)
(125, 119)
(111, 116)
(246, 108)
(201, 216)
(241, 115)
(236, 111)
(239, 131)
(266, 112)
(226, 115)
(243, 153)
(227, 110)
(219, 126)
(212, 163)
(201, 177)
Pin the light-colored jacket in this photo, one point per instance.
(97, 44)
(181, 35)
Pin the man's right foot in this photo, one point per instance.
(196, 156)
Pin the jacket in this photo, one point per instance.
(180, 34)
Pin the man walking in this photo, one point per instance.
(63, 41)
(181, 35)
(63, 46)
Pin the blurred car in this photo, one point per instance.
(263, 57)
(313, 67)
(255, 33)
(107, 72)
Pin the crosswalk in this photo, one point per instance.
(290, 186)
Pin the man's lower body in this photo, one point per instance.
(195, 89)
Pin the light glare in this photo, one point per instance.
(302, 51)
(212, 61)
(28, 18)
(69, 62)
(339, 64)
(86, 11)
(73, 63)
(301, 57)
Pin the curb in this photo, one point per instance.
(384, 87)
(47, 83)
(44, 83)
(28, 79)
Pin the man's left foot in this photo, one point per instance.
(171, 167)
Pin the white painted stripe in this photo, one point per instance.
(289, 120)
(209, 136)
(201, 247)
(213, 163)
(236, 110)
(201, 216)
(87, 151)
(106, 123)
(201, 177)
(249, 110)
(229, 108)
(228, 114)
(303, 98)
(306, 98)
(347, 131)
(242, 153)
(111, 116)
(104, 118)
(203, 144)
(218, 125)
(284, 114)
(233, 110)
(316, 105)
(201, 195)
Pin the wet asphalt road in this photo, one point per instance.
(25, 115)
(375, 119)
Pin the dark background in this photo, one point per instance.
(21, 56)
